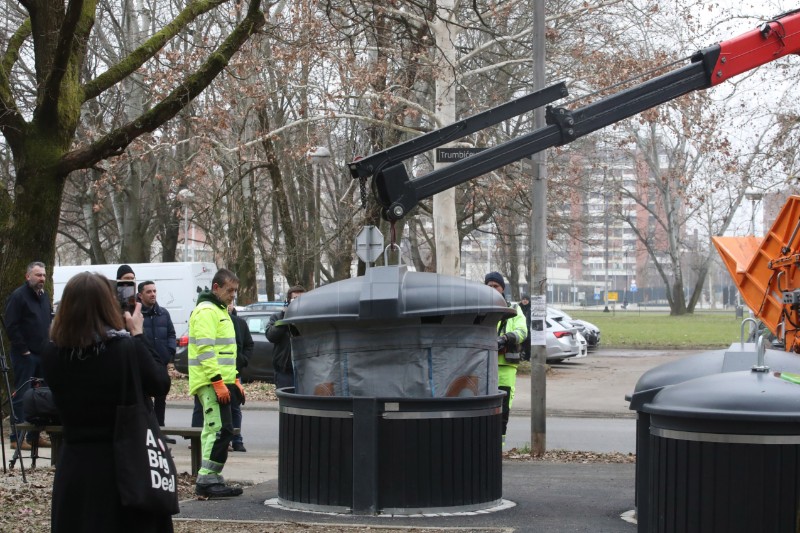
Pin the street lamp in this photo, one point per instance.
(754, 196)
(605, 282)
(185, 197)
(317, 155)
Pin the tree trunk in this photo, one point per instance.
(445, 222)
(26, 235)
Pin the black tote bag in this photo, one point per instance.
(146, 474)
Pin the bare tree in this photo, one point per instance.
(46, 54)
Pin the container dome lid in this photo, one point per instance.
(735, 358)
(681, 370)
(744, 395)
(393, 292)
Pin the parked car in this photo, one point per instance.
(272, 307)
(582, 344)
(590, 332)
(561, 341)
(259, 367)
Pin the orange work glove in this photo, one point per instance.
(241, 390)
(223, 394)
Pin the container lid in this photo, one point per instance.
(679, 371)
(736, 358)
(744, 395)
(393, 292)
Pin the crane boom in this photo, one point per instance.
(397, 192)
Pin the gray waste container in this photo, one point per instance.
(725, 455)
(396, 387)
(740, 356)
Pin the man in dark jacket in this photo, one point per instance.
(158, 328)
(28, 316)
(244, 349)
(281, 341)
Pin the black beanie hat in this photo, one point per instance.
(497, 277)
(124, 269)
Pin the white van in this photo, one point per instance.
(178, 284)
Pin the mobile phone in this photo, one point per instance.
(126, 295)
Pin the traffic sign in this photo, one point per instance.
(451, 155)
(369, 244)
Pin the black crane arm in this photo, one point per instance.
(398, 193)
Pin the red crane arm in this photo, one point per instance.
(770, 41)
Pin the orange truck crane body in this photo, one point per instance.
(767, 273)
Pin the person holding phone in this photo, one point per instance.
(91, 342)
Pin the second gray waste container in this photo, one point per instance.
(740, 356)
(725, 455)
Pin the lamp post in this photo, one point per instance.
(185, 196)
(317, 155)
(754, 196)
(605, 282)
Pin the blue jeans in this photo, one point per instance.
(236, 418)
(25, 367)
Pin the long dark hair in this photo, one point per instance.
(88, 308)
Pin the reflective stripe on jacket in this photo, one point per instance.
(212, 346)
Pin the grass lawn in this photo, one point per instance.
(653, 329)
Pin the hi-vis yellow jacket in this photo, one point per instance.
(212, 343)
(515, 327)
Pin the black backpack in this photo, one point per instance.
(40, 406)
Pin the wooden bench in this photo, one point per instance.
(56, 434)
(193, 434)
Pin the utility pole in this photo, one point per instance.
(538, 243)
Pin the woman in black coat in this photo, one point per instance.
(83, 365)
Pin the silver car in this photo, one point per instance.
(562, 342)
(589, 331)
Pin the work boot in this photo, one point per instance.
(239, 447)
(217, 490)
(25, 445)
(44, 441)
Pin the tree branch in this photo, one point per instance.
(148, 49)
(67, 36)
(14, 44)
(12, 123)
(116, 141)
